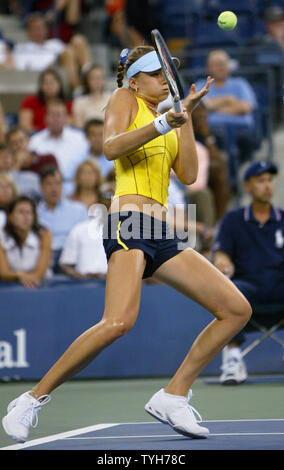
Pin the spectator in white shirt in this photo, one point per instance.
(25, 246)
(39, 52)
(57, 213)
(69, 145)
(83, 256)
(6, 61)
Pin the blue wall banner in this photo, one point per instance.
(36, 326)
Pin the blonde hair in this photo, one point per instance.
(133, 55)
(8, 179)
(93, 164)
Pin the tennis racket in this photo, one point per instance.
(169, 69)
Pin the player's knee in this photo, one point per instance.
(241, 310)
(246, 310)
(234, 308)
(118, 327)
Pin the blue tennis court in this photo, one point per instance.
(224, 435)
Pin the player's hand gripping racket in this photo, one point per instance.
(169, 69)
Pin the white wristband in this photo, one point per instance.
(161, 124)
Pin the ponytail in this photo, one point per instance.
(121, 67)
(120, 74)
(127, 58)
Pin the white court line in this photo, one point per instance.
(248, 434)
(62, 435)
(240, 420)
(214, 421)
(98, 427)
(176, 435)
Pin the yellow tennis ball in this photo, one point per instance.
(227, 20)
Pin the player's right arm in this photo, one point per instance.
(120, 113)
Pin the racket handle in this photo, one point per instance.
(177, 106)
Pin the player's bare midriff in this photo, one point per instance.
(137, 202)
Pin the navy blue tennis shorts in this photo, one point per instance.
(127, 230)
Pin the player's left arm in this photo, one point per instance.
(186, 161)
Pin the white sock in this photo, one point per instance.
(234, 352)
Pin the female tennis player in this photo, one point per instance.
(145, 146)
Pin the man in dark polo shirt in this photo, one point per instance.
(249, 248)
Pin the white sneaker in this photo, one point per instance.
(176, 411)
(22, 413)
(234, 372)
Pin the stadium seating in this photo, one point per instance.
(240, 7)
(14, 86)
(178, 19)
(208, 35)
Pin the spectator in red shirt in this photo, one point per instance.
(24, 159)
(33, 108)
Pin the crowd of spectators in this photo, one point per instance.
(52, 165)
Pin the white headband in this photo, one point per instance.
(147, 63)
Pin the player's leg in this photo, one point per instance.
(122, 299)
(194, 276)
(123, 290)
(233, 367)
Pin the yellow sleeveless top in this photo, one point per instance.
(146, 171)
